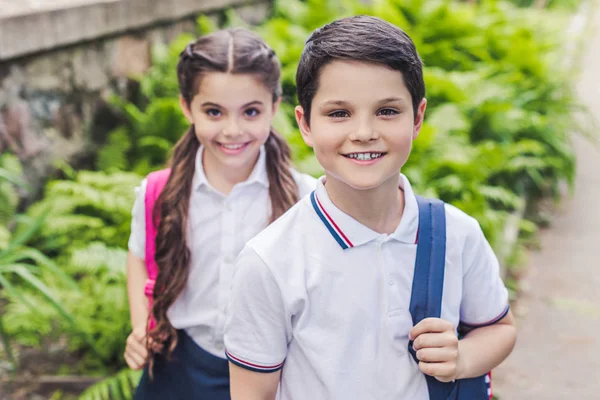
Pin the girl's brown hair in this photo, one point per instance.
(235, 51)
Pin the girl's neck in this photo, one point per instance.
(380, 209)
(223, 178)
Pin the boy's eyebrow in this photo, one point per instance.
(392, 99)
(340, 103)
(211, 104)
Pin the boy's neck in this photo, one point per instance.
(379, 209)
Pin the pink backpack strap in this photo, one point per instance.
(155, 183)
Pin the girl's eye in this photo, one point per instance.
(252, 112)
(339, 114)
(213, 112)
(388, 112)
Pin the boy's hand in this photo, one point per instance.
(135, 349)
(436, 344)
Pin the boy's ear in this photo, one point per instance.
(186, 110)
(303, 125)
(419, 118)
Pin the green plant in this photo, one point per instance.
(22, 266)
(499, 104)
(117, 387)
(86, 231)
(93, 206)
(99, 302)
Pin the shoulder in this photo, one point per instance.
(305, 182)
(286, 235)
(157, 180)
(461, 224)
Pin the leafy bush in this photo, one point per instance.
(499, 110)
(83, 223)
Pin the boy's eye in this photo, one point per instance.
(213, 112)
(252, 112)
(338, 114)
(387, 112)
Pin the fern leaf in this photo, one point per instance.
(117, 387)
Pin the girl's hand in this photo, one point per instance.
(135, 349)
(436, 344)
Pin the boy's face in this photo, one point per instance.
(362, 123)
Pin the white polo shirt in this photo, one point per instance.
(328, 299)
(218, 228)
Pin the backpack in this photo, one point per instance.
(426, 298)
(155, 183)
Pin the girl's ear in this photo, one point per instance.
(186, 110)
(276, 104)
(303, 125)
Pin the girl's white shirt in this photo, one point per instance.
(218, 228)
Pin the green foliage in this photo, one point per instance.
(118, 387)
(94, 206)
(99, 302)
(499, 104)
(85, 227)
(22, 267)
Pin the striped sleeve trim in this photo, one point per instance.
(490, 322)
(251, 366)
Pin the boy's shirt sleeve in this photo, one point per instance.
(485, 298)
(258, 327)
(137, 237)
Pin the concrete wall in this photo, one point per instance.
(61, 59)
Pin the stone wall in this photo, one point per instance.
(54, 87)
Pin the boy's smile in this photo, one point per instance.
(361, 124)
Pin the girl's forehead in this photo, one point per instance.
(224, 85)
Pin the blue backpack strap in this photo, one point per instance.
(427, 291)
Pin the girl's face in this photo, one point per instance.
(232, 115)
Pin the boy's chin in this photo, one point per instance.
(364, 183)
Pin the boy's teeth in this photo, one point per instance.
(364, 156)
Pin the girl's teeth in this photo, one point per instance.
(233, 146)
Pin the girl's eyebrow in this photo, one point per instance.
(211, 104)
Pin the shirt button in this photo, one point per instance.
(229, 259)
(219, 346)
(391, 282)
(228, 207)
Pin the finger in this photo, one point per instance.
(430, 325)
(437, 355)
(427, 340)
(131, 363)
(444, 371)
(137, 348)
(136, 358)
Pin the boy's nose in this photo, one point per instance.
(364, 133)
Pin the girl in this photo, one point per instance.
(229, 176)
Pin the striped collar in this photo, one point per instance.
(349, 233)
(258, 174)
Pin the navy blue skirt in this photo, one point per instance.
(192, 373)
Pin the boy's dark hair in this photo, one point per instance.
(361, 38)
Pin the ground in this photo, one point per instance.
(557, 356)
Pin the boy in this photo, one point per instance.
(324, 292)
